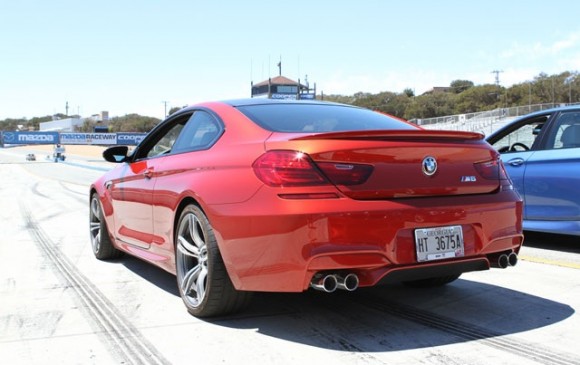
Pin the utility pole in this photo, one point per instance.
(568, 81)
(529, 95)
(280, 66)
(165, 106)
(553, 93)
(497, 72)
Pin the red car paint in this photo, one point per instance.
(275, 235)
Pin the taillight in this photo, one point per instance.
(506, 182)
(503, 175)
(345, 173)
(287, 168)
(495, 170)
(491, 170)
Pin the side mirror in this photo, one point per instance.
(116, 154)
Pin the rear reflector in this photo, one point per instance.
(309, 196)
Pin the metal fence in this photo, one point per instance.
(484, 122)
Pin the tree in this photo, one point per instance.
(132, 123)
(478, 98)
(409, 92)
(465, 98)
(431, 105)
(460, 86)
(174, 109)
(11, 124)
(394, 104)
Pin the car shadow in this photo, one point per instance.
(153, 274)
(384, 318)
(395, 317)
(553, 241)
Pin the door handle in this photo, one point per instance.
(516, 161)
(148, 173)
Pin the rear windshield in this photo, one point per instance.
(305, 118)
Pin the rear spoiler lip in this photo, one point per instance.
(400, 135)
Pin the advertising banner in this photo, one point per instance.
(89, 138)
(9, 138)
(130, 138)
(284, 96)
(23, 138)
(307, 96)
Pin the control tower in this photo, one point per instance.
(281, 87)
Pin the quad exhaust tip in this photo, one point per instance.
(512, 259)
(348, 282)
(505, 260)
(329, 282)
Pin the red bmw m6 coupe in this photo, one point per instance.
(253, 195)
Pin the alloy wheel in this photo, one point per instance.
(95, 224)
(192, 260)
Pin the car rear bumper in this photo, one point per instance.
(279, 245)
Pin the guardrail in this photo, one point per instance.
(485, 121)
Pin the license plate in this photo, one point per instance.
(439, 243)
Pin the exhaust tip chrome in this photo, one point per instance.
(503, 261)
(327, 283)
(512, 259)
(349, 282)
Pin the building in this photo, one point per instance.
(61, 125)
(439, 89)
(281, 87)
(71, 124)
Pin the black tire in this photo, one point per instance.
(101, 243)
(202, 279)
(432, 282)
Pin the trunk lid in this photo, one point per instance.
(399, 162)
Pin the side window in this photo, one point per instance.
(201, 131)
(189, 132)
(566, 132)
(165, 144)
(162, 142)
(522, 138)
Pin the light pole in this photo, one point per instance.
(569, 80)
(553, 93)
(529, 96)
(165, 105)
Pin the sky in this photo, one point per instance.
(149, 56)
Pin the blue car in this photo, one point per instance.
(541, 153)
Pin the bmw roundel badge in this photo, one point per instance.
(429, 165)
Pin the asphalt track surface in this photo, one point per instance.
(58, 304)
